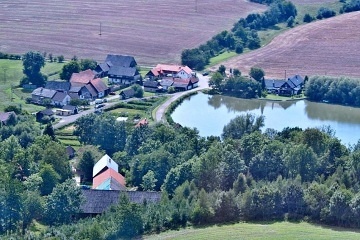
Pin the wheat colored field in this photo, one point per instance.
(326, 47)
(152, 31)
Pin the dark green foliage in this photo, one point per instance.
(86, 64)
(241, 125)
(33, 62)
(49, 130)
(86, 165)
(12, 108)
(256, 73)
(68, 69)
(325, 13)
(194, 58)
(49, 179)
(139, 92)
(307, 18)
(63, 202)
(351, 6)
(60, 58)
(334, 90)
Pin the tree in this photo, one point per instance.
(236, 72)
(139, 91)
(241, 125)
(149, 181)
(63, 203)
(308, 18)
(257, 73)
(68, 69)
(87, 64)
(32, 63)
(290, 22)
(216, 80)
(222, 70)
(49, 179)
(86, 165)
(202, 212)
(49, 130)
(60, 58)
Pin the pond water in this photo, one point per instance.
(210, 113)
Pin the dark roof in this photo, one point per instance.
(74, 95)
(120, 60)
(103, 67)
(123, 71)
(97, 201)
(99, 85)
(128, 92)
(4, 116)
(181, 83)
(47, 112)
(70, 151)
(56, 85)
(43, 92)
(151, 84)
(75, 88)
(59, 96)
(91, 89)
(273, 83)
(69, 107)
(166, 82)
(297, 80)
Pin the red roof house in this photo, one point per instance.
(109, 180)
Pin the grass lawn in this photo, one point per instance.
(144, 70)
(281, 98)
(10, 77)
(268, 231)
(221, 57)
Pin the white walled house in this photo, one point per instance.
(104, 163)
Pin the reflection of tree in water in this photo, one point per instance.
(329, 112)
(243, 105)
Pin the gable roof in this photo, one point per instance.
(57, 85)
(128, 92)
(82, 77)
(297, 80)
(273, 83)
(120, 60)
(163, 68)
(103, 67)
(105, 162)
(69, 107)
(99, 85)
(43, 92)
(151, 84)
(109, 180)
(70, 151)
(4, 116)
(98, 201)
(166, 82)
(182, 83)
(59, 96)
(91, 90)
(123, 71)
(47, 112)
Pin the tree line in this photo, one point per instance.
(333, 90)
(243, 34)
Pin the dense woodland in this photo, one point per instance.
(246, 174)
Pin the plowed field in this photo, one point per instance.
(327, 47)
(151, 30)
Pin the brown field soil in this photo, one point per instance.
(327, 47)
(151, 30)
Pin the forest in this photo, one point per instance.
(247, 174)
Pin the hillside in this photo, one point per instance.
(152, 31)
(247, 231)
(327, 47)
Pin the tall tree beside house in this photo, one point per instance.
(68, 69)
(86, 64)
(32, 63)
(49, 130)
(86, 165)
(257, 73)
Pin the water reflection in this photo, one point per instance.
(210, 113)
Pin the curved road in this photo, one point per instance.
(160, 112)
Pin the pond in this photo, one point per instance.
(210, 113)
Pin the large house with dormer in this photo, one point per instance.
(166, 70)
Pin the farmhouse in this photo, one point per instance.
(71, 108)
(120, 69)
(166, 83)
(83, 77)
(58, 86)
(109, 179)
(127, 93)
(152, 86)
(46, 112)
(40, 94)
(291, 86)
(5, 117)
(164, 70)
(185, 84)
(60, 99)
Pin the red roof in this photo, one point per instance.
(165, 68)
(108, 173)
(82, 77)
(142, 122)
(99, 85)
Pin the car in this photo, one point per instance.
(99, 105)
(112, 93)
(205, 73)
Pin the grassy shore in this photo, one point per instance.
(267, 231)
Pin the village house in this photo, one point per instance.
(152, 86)
(48, 112)
(40, 94)
(60, 99)
(120, 69)
(5, 117)
(292, 86)
(185, 84)
(165, 70)
(84, 85)
(127, 93)
(109, 179)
